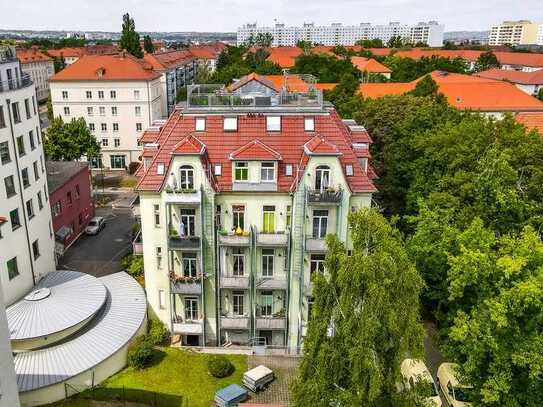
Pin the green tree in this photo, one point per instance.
(263, 40)
(374, 43)
(540, 94)
(326, 68)
(449, 45)
(130, 39)
(305, 46)
(148, 45)
(365, 319)
(408, 69)
(203, 74)
(486, 60)
(59, 64)
(397, 41)
(69, 141)
(425, 87)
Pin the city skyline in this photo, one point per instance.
(172, 16)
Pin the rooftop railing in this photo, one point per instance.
(14, 84)
(7, 54)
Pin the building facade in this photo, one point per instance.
(9, 393)
(119, 96)
(430, 33)
(40, 67)
(71, 199)
(236, 201)
(26, 234)
(522, 32)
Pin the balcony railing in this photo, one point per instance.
(183, 196)
(226, 239)
(274, 321)
(234, 322)
(272, 283)
(186, 285)
(137, 244)
(234, 282)
(328, 196)
(278, 239)
(187, 327)
(14, 84)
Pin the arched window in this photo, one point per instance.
(186, 176)
(322, 177)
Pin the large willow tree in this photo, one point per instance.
(365, 320)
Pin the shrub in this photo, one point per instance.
(158, 333)
(219, 366)
(140, 352)
(133, 166)
(133, 265)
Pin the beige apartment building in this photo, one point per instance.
(521, 32)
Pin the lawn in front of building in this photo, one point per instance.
(176, 377)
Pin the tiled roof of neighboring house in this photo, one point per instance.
(369, 65)
(465, 92)
(60, 172)
(66, 52)
(531, 120)
(325, 86)
(288, 143)
(520, 77)
(293, 83)
(262, 79)
(284, 56)
(118, 67)
(33, 54)
(255, 150)
(169, 59)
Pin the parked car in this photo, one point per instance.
(457, 394)
(416, 375)
(95, 225)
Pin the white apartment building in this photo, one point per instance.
(26, 233)
(430, 32)
(40, 67)
(521, 32)
(119, 96)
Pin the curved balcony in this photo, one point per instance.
(14, 84)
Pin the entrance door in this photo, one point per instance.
(193, 340)
(267, 335)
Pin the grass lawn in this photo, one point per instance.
(179, 378)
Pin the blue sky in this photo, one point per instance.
(227, 15)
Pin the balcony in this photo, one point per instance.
(272, 283)
(315, 245)
(186, 285)
(189, 197)
(183, 243)
(274, 321)
(325, 197)
(187, 327)
(279, 239)
(234, 322)
(234, 282)
(14, 84)
(234, 240)
(137, 245)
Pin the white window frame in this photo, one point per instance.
(102, 110)
(309, 124)
(238, 303)
(288, 170)
(191, 308)
(218, 169)
(349, 170)
(160, 169)
(230, 123)
(269, 259)
(237, 259)
(137, 111)
(90, 111)
(241, 165)
(200, 124)
(161, 299)
(186, 177)
(265, 169)
(273, 123)
(156, 214)
(190, 260)
(323, 170)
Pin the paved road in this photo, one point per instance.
(101, 254)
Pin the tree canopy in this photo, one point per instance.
(408, 69)
(130, 39)
(486, 60)
(374, 43)
(327, 68)
(69, 141)
(148, 45)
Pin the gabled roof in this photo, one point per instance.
(169, 59)
(255, 150)
(520, 77)
(531, 121)
(33, 54)
(254, 77)
(292, 83)
(190, 145)
(318, 145)
(369, 65)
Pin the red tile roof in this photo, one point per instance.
(169, 59)
(284, 56)
(318, 145)
(33, 54)
(293, 83)
(531, 121)
(288, 142)
(107, 68)
(369, 65)
(66, 52)
(464, 92)
(190, 145)
(255, 150)
(262, 79)
(520, 77)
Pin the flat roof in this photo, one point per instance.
(59, 172)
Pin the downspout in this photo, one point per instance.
(170, 265)
(202, 254)
(148, 105)
(218, 271)
(8, 103)
(252, 288)
(289, 270)
(301, 279)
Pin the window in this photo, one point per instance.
(237, 303)
(138, 127)
(161, 299)
(349, 170)
(267, 172)
(66, 110)
(26, 178)
(238, 262)
(269, 219)
(218, 169)
(36, 172)
(113, 94)
(186, 173)
(159, 257)
(103, 126)
(116, 142)
(266, 307)
(13, 270)
(2, 118)
(317, 263)
(156, 212)
(45, 192)
(267, 262)
(80, 219)
(14, 218)
(322, 177)
(10, 186)
(238, 217)
(100, 94)
(15, 111)
(105, 142)
(200, 124)
(138, 111)
(364, 164)
(320, 223)
(191, 309)
(77, 191)
(91, 126)
(230, 124)
(40, 201)
(160, 169)
(90, 110)
(114, 110)
(118, 161)
(136, 94)
(102, 110)
(36, 249)
(69, 197)
(21, 146)
(57, 208)
(4, 153)
(309, 124)
(289, 216)
(241, 171)
(288, 170)
(310, 301)
(38, 135)
(273, 123)
(31, 138)
(89, 94)
(189, 265)
(27, 109)
(29, 209)
(64, 94)
(188, 217)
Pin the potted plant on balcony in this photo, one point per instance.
(168, 189)
(280, 313)
(173, 233)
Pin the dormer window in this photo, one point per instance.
(267, 172)
(322, 177)
(160, 169)
(309, 124)
(200, 124)
(230, 124)
(186, 177)
(349, 170)
(241, 171)
(273, 123)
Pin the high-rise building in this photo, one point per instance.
(430, 32)
(521, 32)
(238, 191)
(26, 234)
